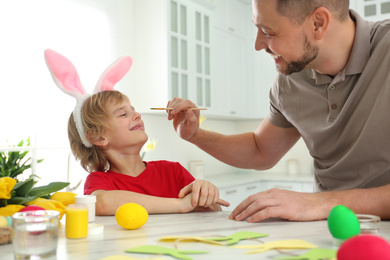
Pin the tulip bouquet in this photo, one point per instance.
(15, 194)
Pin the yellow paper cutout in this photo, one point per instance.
(188, 239)
(281, 244)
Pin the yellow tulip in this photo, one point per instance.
(6, 185)
(63, 196)
(201, 119)
(10, 209)
(150, 145)
(49, 205)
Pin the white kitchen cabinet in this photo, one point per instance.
(229, 74)
(284, 185)
(299, 186)
(172, 53)
(232, 16)
(373, 10)
(264, 73)
(236, 194)
(202, 52)
(231, 59)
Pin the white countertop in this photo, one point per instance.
(115, 240)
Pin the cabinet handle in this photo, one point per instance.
(251, 187)
(283, 187)
(231, 191)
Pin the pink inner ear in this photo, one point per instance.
(64, 71)
(115, 73)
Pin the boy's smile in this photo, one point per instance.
(125, 127)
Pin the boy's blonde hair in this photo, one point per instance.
(94, 116)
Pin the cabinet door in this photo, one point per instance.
(189, 37)
(285, 185)
(233, 16)
(374, 10)
(229, 74)
(178, 49)
(236, 194)
(203, 60)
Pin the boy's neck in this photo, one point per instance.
(131, 166)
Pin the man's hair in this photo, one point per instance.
(298, 10)
(94, 116)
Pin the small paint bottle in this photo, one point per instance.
(90, 201)
(76, 225)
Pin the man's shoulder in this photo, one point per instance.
(380, 31)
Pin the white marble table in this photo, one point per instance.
(115, 240)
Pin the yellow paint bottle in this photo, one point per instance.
(76, 225)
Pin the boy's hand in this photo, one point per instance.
(204, 194)
(186, 206)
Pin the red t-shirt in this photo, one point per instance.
(160, 178)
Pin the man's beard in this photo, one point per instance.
(310, 54)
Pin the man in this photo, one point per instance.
(333, 90)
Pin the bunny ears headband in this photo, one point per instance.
(67, 79)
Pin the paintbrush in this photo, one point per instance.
(170, 108)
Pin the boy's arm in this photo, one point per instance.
(107, 202)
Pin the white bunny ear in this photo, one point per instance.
(67, 79)
(64, 74)
(114, 73)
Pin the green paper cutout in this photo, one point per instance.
(159, 250)
(236, 237)
(314, 254)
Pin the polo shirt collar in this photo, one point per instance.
(359, 55)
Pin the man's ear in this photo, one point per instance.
(99, 141)
(320, 20)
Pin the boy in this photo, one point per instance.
(106, 134)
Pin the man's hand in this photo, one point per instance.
(185, 122)
(276, 203)
(203, 193)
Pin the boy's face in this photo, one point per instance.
(125, 128)
(288, 44)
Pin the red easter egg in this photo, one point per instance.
(363, 247)
(31, 208)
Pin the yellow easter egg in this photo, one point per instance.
(131, 216)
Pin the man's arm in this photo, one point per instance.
(297, 206)
(260, 149)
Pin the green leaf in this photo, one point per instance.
(51, 187)
(13, 163)
(24, 187)
(3, 203)
(23, 200)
